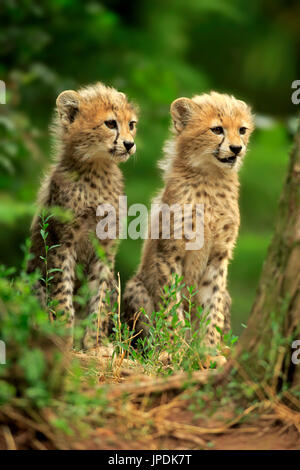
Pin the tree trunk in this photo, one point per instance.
(275, 318)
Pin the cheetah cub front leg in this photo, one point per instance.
(104, 296)
(62, 286)
(215, 300)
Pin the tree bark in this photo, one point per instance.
(275, 318)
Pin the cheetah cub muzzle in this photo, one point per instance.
(201, 163)
(94, 131)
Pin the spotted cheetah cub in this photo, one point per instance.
(94, 131)
(201, 164)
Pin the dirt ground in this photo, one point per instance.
(156, 416)
(241, 438)
(237, 439)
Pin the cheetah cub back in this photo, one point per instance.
(94, 131)
(201, 163)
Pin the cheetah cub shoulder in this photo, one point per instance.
(94, 131)
(210, 138)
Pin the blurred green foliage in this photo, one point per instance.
(154, 51)
(33, 373)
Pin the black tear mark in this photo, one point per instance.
(117, 136)
(219, 146)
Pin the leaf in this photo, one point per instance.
(54, 246)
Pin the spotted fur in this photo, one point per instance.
(200, 166)
(94, 131)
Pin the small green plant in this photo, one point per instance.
(39, 372)
(48, 273)
(32, 373)
(175, 334)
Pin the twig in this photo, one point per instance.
(10, 442)
(135, 319)
(13, 415)
(99, 313)
(38, 445)
(160, 385)
(196, 430)
(119, 307)
(277, 368)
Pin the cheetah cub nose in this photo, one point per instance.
(128, 145)
(235, 149)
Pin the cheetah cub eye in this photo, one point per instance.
(132, 125)
(243, 130)
(217, 130)
(111, 124)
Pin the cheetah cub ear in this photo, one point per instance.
(67, 105)
(182, 110)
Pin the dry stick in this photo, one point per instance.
(196, 429)
(164, 426)
(190, 438)
(270, 392)
(15, 416)
(277, 369)
(118, 367)
(161, 385)
(131, 338)
(99, 313)
(287, 415)
(292, 398)
(119, 306)
(123, 352)
(166, 407)
(134, 417)
(38, 445)
(119, 314)
(135, 319)
(217, 430)
(199, 360)
(10, 442)
(284, 412)
(289, 420)
(200, 377)
(144, 403)
(51, 315)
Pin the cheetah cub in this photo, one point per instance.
(94, 131)
(201, 164)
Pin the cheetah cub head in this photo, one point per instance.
(96, 122)
(212, 129)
